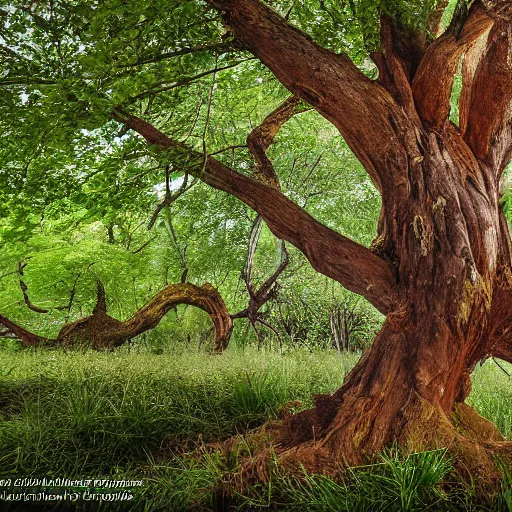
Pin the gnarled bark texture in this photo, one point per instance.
(101, 331)
(440, 267)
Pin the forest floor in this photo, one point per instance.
(135, 415)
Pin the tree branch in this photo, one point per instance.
(433, 82)
(205, 297)
(102, 331)
(170, 197)
(217, 47)
(24, 290)
(503, 351)
(26, 81)
(363, 111)
(144, 245)
(184, 81)
(28, 338)
(330, 253)
(101, 300)
(486, 117)
(26, 298)
(434, 21)
(262, 137)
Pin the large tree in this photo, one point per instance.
(440, 267)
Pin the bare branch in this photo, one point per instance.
(182, 251)
(254, 236)
(184, 81)
(217, 47)
(26, 81)
(28, 338)
(24, 290)
(144, 245)
(229, 148)
(170, 197)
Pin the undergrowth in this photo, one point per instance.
(138, 415)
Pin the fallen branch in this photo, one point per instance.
(103, 332)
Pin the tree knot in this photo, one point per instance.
(421, 234)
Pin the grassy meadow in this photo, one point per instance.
(133, 414)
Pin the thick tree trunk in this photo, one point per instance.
(409, 387)
(441, 261)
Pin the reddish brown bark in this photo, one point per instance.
(330, 253)
(488, 129)
(434, 22)
(29, 338)
(361, 109)
(432, 84)
(101, 331)
(262, 137)
(441, 263)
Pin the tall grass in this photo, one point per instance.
(87, 412)
(492, 394)
(136, 414)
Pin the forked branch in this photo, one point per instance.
(363, 111)
(330, 253)
(101, 331)
(266, 291)
(432, 85)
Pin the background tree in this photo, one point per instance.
(440, 266)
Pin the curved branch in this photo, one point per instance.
(268, 290)
(28, 338)
(263, 136)
(433, 82)
(204, 297)
(487, 122)
(101, 331)
(363, 111)
(24, 290)
(330, 253)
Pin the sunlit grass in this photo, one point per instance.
(85, 411)
(135, 413)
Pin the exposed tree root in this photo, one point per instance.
(101, 331)
(474, 444)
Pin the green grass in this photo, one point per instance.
(492, 394)
(74, 413)
(136, 414)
